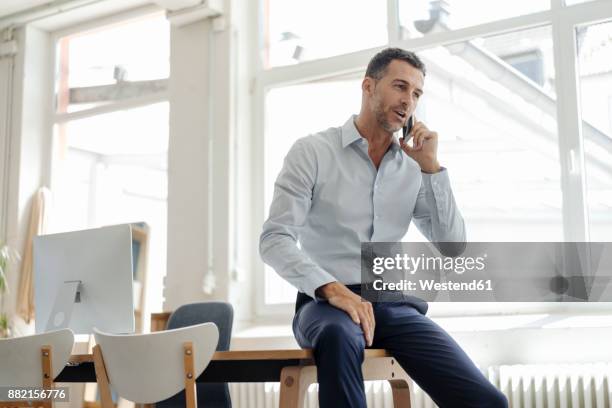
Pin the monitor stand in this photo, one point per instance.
(67, 295)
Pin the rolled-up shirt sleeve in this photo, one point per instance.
(290, 206)
(437, 216)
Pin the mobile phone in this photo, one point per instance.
(407, 129)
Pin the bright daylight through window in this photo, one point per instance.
(491, 97)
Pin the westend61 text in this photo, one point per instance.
(430, 284)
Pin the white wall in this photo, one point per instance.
(6, 80)
(29, 137)
(244, 53)
(208, 194)
(188, 170)
(200, 176)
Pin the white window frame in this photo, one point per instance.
(561, 18)
(135, 102)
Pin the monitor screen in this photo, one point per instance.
(83, 279)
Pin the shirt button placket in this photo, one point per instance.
(376, 190)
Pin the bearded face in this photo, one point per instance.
(395, 95)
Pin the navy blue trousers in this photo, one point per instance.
(424, 350)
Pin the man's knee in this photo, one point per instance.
(341, 336)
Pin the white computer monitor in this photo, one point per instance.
(83, 279)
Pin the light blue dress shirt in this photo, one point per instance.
(330, 198)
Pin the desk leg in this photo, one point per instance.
(294, 384)
(401, 393)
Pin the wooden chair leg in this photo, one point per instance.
(47, 371)
(190, 390)
(102, 378)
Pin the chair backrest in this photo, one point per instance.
(147, 368)
(210, 395)
(219, 313)
(21, 358)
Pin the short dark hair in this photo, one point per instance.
(377, 67)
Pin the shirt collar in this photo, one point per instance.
(350, 134)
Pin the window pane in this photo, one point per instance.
(492, 102)
(419, 17)
(594, 45)
(342, 26)
(112, 169)
(108, 64)
(496, 118)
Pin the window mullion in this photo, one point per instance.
(131, 103)
(393, 22)
(258, 210)
(557, 4)
(571, 152)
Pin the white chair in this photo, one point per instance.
(146, 368)
(34, 361)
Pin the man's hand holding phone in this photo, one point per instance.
(424, 149)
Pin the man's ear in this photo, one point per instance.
(367, 85)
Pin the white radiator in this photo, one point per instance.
(526, 386)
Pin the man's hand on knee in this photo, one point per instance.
(360, 311)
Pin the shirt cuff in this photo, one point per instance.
(316, 278)
(436, 181)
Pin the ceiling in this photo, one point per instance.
(54, 15)
(8, 7)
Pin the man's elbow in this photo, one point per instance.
(268, 244)
(264, 245)
(456, 245)
(452, 249)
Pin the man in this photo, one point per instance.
(356, 184)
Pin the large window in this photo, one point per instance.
(498, 134)
(594, 48)
(110, 133)
(491, 92)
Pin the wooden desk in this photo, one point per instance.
(294, 369)
(225, 366)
